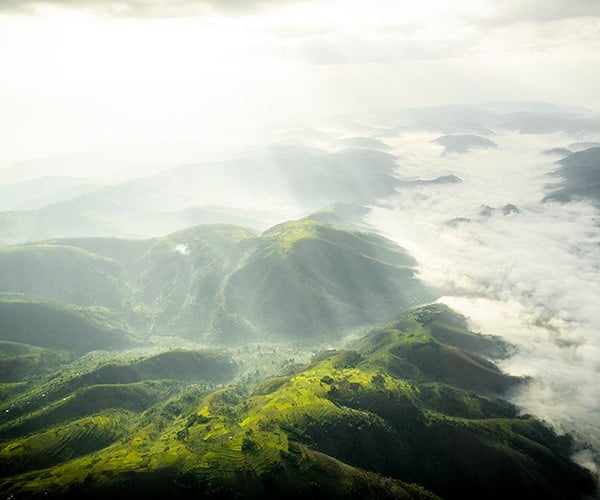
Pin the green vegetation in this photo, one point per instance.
(135, 397)
(376, 421)
(431, 344)
(219, 283)
(307, 278)
(56, 272)
(121, 385)
(20, 362)
(410, 409)
(283, 237)
(65, 441)
(344, 215)
(62, 327)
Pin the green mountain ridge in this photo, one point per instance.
(224, 283)
(62, 327)
(373, 422)
(308, 278)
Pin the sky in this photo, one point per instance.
(82, 73)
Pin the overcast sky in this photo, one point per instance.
(82, 72)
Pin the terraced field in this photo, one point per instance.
(348, 424)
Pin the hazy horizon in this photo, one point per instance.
(226, 74)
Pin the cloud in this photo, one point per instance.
(182, 248)
(531, 277)
(356, 50)
(517, 11)
(141, 8)
(475, 13)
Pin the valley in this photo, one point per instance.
(354, 314)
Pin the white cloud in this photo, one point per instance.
(182, 249)
(531, 277)
(518, 11)
(73, 77)
(137, 8)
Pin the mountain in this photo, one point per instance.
(61, 327)
(409, 413)
(438, 181)
(299, 279)
(308, 279)
(483, 120)
(349, 216)
(549, 123)
(134, 385)
(60, 418)
(307, 177)
(580, 174)
(558, 152)
(290, 180)
(42, 191)
(122, 211)
(20, 362)
(463, 143)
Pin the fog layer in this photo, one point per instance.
(516, 265)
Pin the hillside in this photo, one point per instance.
(580, 177)
(37, 193)
(224, 283)
(463, 143)
(20, 362)
(235, 191)
(62, 327)
(307, 278)
(133, 386)
(116, 212)
(344, 215)
(348, 425)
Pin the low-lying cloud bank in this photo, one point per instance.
(530, 274)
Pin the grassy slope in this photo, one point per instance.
(65, 441)
(62, 327)
(183, 273)
(62, 273)
(307, 278)
(122, 385)
(224, 283)
(315, 433)
(20, 362)
(344, 215)
(162, 283)
(580, 174)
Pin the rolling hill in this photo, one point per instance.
(300, 179)
(378, 421)
(308, 279)
(580, 174)
(61, 327)
(464, 143)
(222, 283)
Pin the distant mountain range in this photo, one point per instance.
(283, 180)
(463, 143)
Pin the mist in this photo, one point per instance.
(233, 234)
(530, 275)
